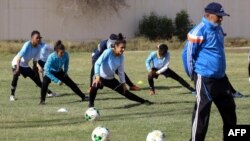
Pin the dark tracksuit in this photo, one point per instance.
(211, 90)
(26, 72)
(204, 61)
(108, 62)
(96, 54)
(27, 53)
(128, 81)
(155, 63)
(249, 69)
(41, 63)
(53, 71)
(232, 90)
(168, 73)
(249, 63)
(115, 85)
(65, 79)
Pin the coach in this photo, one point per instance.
(205, 63)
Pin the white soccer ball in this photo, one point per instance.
(100, 134)
(156, 135)
(92, 114)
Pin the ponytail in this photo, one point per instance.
(121, 39)
(59, 46)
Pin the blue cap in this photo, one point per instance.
(215, 8)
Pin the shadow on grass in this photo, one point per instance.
(174, 102)
(70, 94)
(80, 84)
(63, 95)
(186, 93)
(245, 96)
(141, 115)
(98, 99)
(127, 106)
(79, 120)
(111, 98)
(70, 102)
(162, 87)
(106, 92)
(40, 123)
(58, 95)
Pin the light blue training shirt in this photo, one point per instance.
(27, 53)
(45, 52)
(108, 63)
(155, 61)
(55, 64)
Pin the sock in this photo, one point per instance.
(13, 90)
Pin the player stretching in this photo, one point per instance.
(20, 63)
(105, 44)
(157, 64)
(56, 69)
(112, 59)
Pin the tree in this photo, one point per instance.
(156, 27)
(182, 25)
(81, 7)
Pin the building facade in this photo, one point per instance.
(67, 21)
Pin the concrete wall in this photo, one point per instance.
(19, 17)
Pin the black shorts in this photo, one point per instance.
(41, 63)
(25, 71)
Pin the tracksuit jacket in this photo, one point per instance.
(203, 53)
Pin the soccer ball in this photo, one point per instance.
(156, 135)
(100, 134)
(92, 114)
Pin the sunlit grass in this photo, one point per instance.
(25, 120)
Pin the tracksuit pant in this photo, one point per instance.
(26, 72)
(115, 85)
(249, 69)
(211, 90)
(65, 79)
(128, 81)
(230, 86)
(41, 63)
(171, 74)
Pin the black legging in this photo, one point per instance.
(249, 69)
(115, 85)
(26, 72)
(65, 79)
(171, 74)
(128, 81)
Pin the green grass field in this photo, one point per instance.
(25, 120)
